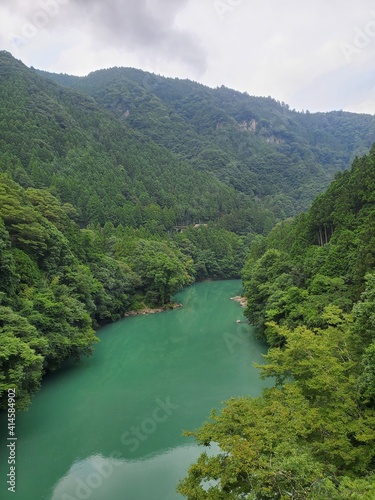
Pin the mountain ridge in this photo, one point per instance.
(255, 144)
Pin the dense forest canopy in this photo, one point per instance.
(58, 281)
(119, 188)
(310, 286)
(89, 217)
(256, 145)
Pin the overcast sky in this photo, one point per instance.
(317, 55)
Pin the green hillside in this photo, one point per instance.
(88, 216)
(122, 187)
(63, 140)
(310, 287)
(255, 145)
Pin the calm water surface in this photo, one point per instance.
(111, 427)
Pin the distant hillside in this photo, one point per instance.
(256, 145)
(58, 138)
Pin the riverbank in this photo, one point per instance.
(149, 310)
(241, 300)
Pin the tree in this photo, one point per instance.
(22, 351)
(161, 271)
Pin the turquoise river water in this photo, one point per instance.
(111, 427)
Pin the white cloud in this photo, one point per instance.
(289, 49)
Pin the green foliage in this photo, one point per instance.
(326, 254)
(305, 438)
(160, 268)
(63, 142)
(264, 450)
(59, 281)
(21, 357)
(215, 252)
(311, 292)
(44, 321)
(256, 145)
(98, 176)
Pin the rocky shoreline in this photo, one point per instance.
(148, 310)
(241, 300)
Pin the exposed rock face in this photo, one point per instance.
(274, 140)
(240, 300)
(250, 126)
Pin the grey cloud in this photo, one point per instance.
(146, 25)
(142, 26)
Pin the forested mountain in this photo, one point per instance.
(310, 286)
(96, 175)
(256, 145)
(60, 139)
(88, 209)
